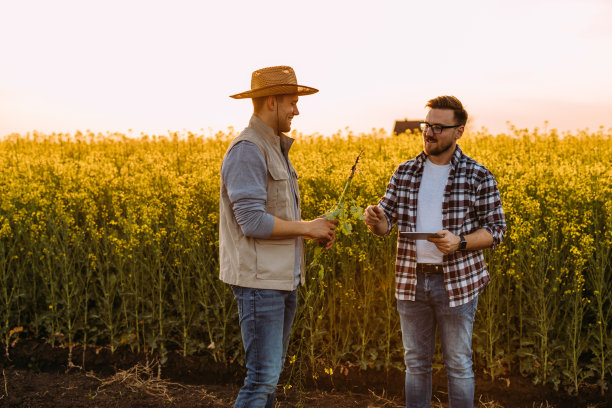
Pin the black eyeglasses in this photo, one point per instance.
(436, 129)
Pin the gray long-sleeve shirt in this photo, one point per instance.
(245, 175)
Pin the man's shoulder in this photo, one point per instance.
(249, 133)
(405, 170)
(243, 145)
(411, 165)
(471, 162)
(473, 167)
(243, 153)
(408, 170)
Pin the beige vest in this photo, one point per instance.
(261, 263)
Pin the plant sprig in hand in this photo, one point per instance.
(338, 212)
(341, 212)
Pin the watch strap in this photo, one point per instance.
(462, 243)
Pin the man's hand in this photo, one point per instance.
(373, 215)
(328, 242)
(375, 219)
(323, 231)
(449, 242)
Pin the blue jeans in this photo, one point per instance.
(419, 319)
(266, 317)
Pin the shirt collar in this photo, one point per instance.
(456, 156)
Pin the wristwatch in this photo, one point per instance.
(462, 243)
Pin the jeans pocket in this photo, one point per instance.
(475, 304)
(238, 295)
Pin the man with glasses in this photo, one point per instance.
(438, 279)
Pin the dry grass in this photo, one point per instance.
(141, 378)
(5, 385)
(385, 401)
(214, 401)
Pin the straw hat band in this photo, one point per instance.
(274, 81)
(276, 90)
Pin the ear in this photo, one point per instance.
(271, 102)
(459, 132)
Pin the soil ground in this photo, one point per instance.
(37, 375)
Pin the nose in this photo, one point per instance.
(295, 111)
(428, 131)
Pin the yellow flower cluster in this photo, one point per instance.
(114, 240)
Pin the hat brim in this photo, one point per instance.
(276, 90)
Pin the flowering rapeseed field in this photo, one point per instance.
(113, 241)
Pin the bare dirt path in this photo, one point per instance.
(37, 376)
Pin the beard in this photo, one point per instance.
(284, 125)
(437, 148)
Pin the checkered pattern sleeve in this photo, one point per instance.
(388, 203)
(488, 208)
(473, 203)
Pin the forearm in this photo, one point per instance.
(477, 240)
(319, 228)
(288, 229)
(381, 228)
(449, 243)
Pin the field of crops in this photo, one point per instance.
(112, 241)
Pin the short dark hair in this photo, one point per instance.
(259, 102)
(452, 103)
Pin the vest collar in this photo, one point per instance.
(263, 129)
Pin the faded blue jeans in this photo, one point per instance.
(419, 319)
(266, 317)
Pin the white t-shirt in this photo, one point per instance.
(429, 209)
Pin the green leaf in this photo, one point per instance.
(357, 213)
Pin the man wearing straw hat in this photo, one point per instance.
(260, 230)
(438, 276)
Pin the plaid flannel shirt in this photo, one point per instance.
(471, 202)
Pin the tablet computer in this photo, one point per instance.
(419, 235)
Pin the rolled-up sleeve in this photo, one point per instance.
(489, 209)
(245, 176)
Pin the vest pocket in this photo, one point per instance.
(278, 188)
(275, 259)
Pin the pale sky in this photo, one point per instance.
(159, 66)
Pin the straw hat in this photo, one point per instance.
(274, 81)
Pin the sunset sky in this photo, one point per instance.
(159, 66)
